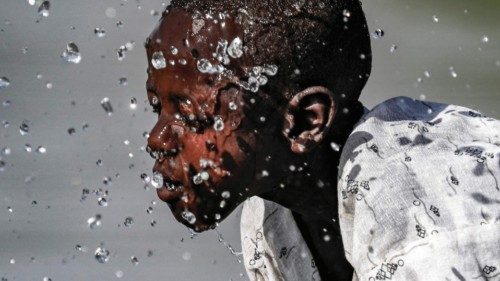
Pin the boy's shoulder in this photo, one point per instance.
(401, 116)
(415, 168)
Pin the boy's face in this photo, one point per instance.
(205, 148)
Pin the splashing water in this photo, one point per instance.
(94, 221)
(71, 54)
(228, 246)
(235, 49)
(4, 82)
(158, 60)
(378, 33)
(189, 217)
(218, 123)
(106, 105)
(129, 221)
(43, 10)
(24, 129)
(101, 255)
(99, 32)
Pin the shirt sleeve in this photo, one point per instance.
(419, 195)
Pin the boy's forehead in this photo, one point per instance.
(196, 33)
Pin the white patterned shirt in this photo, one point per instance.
(419, 199)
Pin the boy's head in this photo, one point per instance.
(243, 86)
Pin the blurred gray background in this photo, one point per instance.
(39, 239)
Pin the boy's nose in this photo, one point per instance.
(164, 140)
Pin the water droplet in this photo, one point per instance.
(335, 146)
(427, 74)
(4, 82)
(149, 210)
(12, 261)
(6, 151)
(106, 180)
(204, 175)
(119, 24)
(24, 128)
(453, 73)
(101, 255)
(71, 54)
(122, 81)
(218, 123)
(378, 33)
(71, 131)
(205, 66)
(485, 39)
(39, 76)
(41, 150)
(422, 97)
(49, 85)
(46, 279)
(326, 238)
(235, 49)
(119, 274)
(94, 221)
(27, 148)
(110, 12)
(133, 103)
(145, 178)
(158, 60)
(174, 50)
(43, 10)
(189, 217)
(186, 256)
(226, 194)
(435, 18)
(270, 69)
(220, 52)
(197, 179)
(106, 105)
(121, 53)
(393, 48)
(31, 2)
(134, 260)
(129, 221)
(157, 180)
(9, 209)
(99, 32)
(102, 201)
(233, 106)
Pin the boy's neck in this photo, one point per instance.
(312, 192)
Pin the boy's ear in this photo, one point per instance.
(308, 118)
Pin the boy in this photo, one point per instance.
(260, 98)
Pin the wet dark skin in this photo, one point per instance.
(279, 152)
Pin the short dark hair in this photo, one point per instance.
(314, 42)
